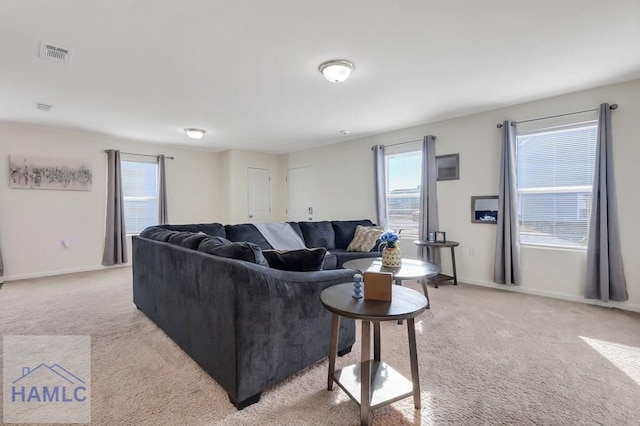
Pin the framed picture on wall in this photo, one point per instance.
(448, 167)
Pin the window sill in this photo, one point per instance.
(554, 248)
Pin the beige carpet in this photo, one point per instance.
(487, 357)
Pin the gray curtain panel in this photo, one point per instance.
(507, 268)
(605, 272)
(163, 218)
(380, 184)
(115, 241)
(428, 200)
(1, 267)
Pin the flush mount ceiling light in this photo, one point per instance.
(195, 133)
(336, 71)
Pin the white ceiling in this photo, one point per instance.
(247, 71)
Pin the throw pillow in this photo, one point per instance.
(302, 260)
(157, 233)
(211, 243)
(188, 240)
(246, 251)
(364, 240)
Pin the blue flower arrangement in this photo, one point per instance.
(389, 239)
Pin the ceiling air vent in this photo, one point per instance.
(54, 53)
(43, 107)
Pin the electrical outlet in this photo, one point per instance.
(472, 251)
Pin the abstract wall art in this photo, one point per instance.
(49, 173)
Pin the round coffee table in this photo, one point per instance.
(410, 270)
(373, 383)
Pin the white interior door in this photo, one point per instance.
(259, 193)
(299, 183)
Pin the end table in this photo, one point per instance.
(372, 383)
(452, 245)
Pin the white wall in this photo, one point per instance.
(233, 174)
(344, 188)
(33, 222)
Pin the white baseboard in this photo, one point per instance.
(60, 272)
(572, 298)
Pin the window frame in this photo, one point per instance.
(575, 189)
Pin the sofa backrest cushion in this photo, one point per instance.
(318, 234)
(246, 232)
(301, 260)
(222, 247)
(345, 230)
(157, 233)
(187, 239)
(212, 229)
(296, 227)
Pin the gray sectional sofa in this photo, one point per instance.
(209, 287)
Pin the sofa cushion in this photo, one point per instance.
(345, 230)
(301, 260)
(246, 251)
(246, 232)
(318, 234)
(187, 239)
(213, 229)
(157, 233)
(365, 238)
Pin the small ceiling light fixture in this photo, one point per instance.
(195, 133)
(336, 71)
(345, 132)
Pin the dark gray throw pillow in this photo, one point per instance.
(157, 233)
(211, 243)
(302, 260)
(246, 251)
(187, 239)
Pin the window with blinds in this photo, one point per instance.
(555, 178)
(140, 191)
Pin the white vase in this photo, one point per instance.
(391, 257)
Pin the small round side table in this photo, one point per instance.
(372, 383)
(452, 245)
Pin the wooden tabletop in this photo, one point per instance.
(405, 303)
(410, 269)
(448, 243)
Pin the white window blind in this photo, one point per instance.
(403, 192)
(555, 178)
(140, 190)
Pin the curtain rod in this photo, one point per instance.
(399, 143)
(142, 155)
(612, 106)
